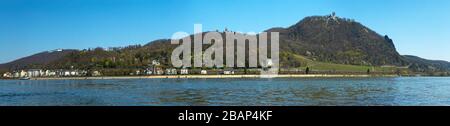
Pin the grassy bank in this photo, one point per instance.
(333, 67)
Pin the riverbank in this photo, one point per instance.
(212, 76)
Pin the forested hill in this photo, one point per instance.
(339, 40)
(317, 39)
(37, 60)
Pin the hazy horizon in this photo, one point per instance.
(417, 27)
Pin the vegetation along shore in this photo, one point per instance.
(210, 76)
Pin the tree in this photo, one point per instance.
(307, 70)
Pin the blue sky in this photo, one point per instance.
(418, 27)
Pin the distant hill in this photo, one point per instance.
(424, 65)
(325, 42)
(38, 59)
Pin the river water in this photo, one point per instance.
(403, 91)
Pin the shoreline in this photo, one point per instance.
(214, 76)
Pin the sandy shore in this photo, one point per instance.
(211, 76)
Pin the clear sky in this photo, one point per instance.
(418, 27)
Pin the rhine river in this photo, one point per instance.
(403, 91)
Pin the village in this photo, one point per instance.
(153, 69)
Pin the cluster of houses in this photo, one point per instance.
(33, 73)
(174, 71)
(48, 73)
(153, 69)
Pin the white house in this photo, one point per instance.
(30, 74)
(23, 73)
(138, 72)
(203, 72)
(269, 63)
(184, 71)
(34, 72)
(96, 73)
(83, 73)
(66, 73)
(171, 71)
(228, 72)
(74, 73)
(148, 71)
(158, 71)
(19, 74)
(16, 74)
(49, 73)
(7, 75)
